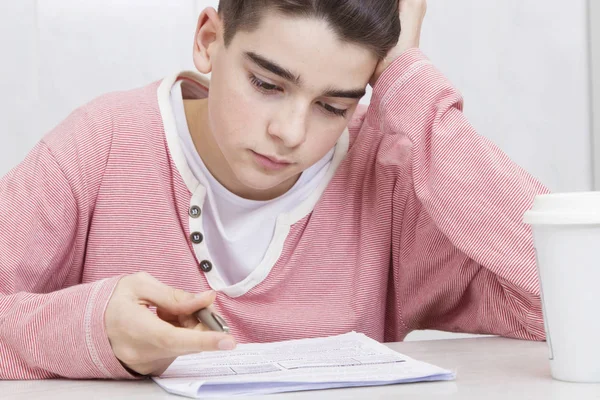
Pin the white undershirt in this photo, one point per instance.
(238, 231)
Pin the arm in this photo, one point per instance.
(49, 325)
(463, 260)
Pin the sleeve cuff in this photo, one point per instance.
(395, 77)
(96, 337)
(398, 70)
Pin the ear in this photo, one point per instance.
(209, 33)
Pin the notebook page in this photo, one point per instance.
(351, 359)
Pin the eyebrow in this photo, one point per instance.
(273, 67)
(350, 94)
(296, 79)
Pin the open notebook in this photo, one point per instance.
(346, 360)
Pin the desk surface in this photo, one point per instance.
(487, 368)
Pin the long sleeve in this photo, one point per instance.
(50, 324)
(463, 260)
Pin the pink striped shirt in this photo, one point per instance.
(418, 227)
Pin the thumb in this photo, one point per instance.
(172, 300)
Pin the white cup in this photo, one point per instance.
(566, 234)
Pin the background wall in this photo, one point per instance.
(522, 66)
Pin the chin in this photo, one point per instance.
(260, 181)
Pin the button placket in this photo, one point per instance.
(196, 230)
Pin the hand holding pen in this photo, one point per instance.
(147, 343)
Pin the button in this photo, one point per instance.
(206, 266)
(197, 237)
(195, 212)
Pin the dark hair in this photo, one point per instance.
(374, 24)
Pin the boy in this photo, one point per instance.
(310, 217)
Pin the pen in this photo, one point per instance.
(212, 320)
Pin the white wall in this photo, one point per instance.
(59, 54)
(18, 81)
(522, 66)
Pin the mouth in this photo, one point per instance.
(270, 162)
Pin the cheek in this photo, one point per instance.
(233, 116)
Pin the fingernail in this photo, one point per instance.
(226, 344)
(205, 295)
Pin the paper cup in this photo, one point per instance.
(566, 234)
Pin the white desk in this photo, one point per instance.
(487, 368)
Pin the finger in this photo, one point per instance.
(168, 317)
(183, 320)
(188, 322)
(192, 323)
(180, 341)
(170, 300)
(168, 341)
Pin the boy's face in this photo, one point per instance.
(280, 97)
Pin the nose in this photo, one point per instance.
(289, 125)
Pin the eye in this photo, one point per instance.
(263, 86)
(332, 110)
